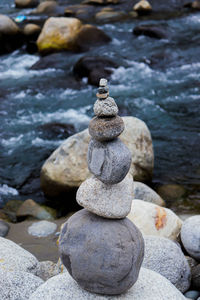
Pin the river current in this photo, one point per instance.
(158, 81)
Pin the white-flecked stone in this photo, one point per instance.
(105, 108)
(15, 258)
(109, 201)
(190, 236)
(149, 286)
(152, 219)
(166, 258)
(145, 193)
(42, 228)
(18, 285)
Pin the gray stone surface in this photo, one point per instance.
(105, 108)
(190, 236)
(196, 277)
(166, 258)
(105, 129)
(108, 161)
(42, 228)
(18, 285)
(48, 269)
(149, 286)
(4, 228)
(104, 256)
(145, 193)
(15, 258)
(192, 294)
(109, 201)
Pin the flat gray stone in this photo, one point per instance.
(106, 108)
(18, 285)
(109, 201)
(42, 228)
(15, 258)
(149, 286)
(166, 258)
(145, 193)
(104, 256)
(109, 161)
(105, 129)
(190, 236)
(4, 228)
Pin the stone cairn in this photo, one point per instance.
(101, 248)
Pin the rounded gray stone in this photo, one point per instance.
(109, 161)
(109, 201)
(165, 257)
(104, 256)
(4, 228)
(105, 129)
(42, 228)
(106, 108)
(190, 236)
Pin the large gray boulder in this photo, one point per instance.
(166, 258)
(149, 286)
(103, 255)
(67, 167)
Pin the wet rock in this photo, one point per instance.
(104, 129)
(195, 5)
(100, 2)
(106, 108)
(143, 7)
(166, 258)
(108, 201)
(109, 15)
(97, 241)
(94, 68)
(171, 191)
(81, 11)
(32, 31)
(155, 220)
(10, 209)
(26, 3)
(108, 161)
(4, 228)
(47, 8)
(55, 130)
(18, 285)
(48, 269)
(196, 277)
(151, 31)
(145, 193)
(150, 285)
(42, 228)
(190, 236)
(15, 258)
(67, 167)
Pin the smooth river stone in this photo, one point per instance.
(109, 201)
(105, 129)
(103, 255)
(106, 108)
(108, 161)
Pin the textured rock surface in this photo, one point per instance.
(4, 228)
(104, 129)
(103, 255)
(166, 258)
(190, 236)
(108, 161)
(145, 193)
(15, 258)
(48, 269)
(42, 228)
(109, 201)
(106, 108)
(18, 285)
(152, 219)
(149, 286)
(67, 167)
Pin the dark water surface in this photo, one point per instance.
(157, 81)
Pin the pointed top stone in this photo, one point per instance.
(103, 82)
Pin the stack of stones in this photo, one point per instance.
(102, 249)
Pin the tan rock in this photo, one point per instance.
(109, 15)
(31, 29)
(171, 191)
(8, 26)
(155, 220)
(46, 7)
(26, 3)
(142, 6)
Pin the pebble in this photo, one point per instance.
(103, 255)
(105, 129)
(106, 108)
(109, 161)
(4, 228)
(42, 228)
(109, 201)
(192, 295)
(145, 193)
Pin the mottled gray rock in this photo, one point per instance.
(42, 228)
(109, 161)
(103, 255)
(166, 258)
(145, 193)
(149, 286)
(196, 277)
(18, 285)
(48, 269)
(190, 236)
(105, 129)
(105, 108)
(4, 228)
(15, 258)
(109, 201)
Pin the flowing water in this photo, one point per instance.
(158, 81)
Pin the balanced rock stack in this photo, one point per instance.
(102, 249)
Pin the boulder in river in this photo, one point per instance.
(143, 7)
(150, 31)
(26, 3)
(49, 8)
(108, 15)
